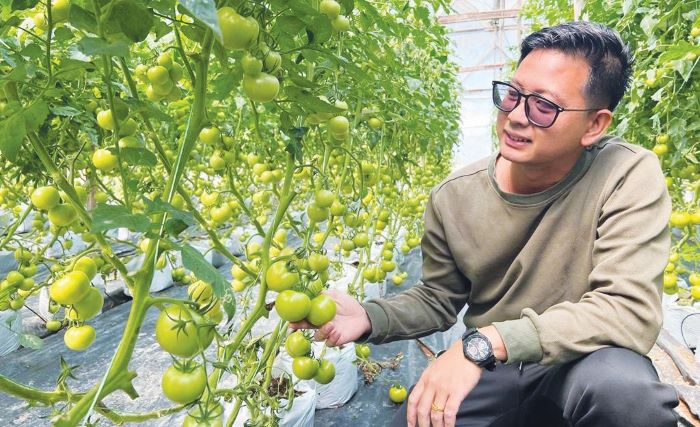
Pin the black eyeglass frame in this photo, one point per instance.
(521, 95)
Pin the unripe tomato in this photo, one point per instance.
(165, 60)
(238, 32)
(53, 325)
(340, 23)
(322, 310)
(362, 351)
(88, 307)
(209, 136)
(680, 219)
(45, 198)
(660, 149)
(318, 262)
(79, 338)
(324, 198)
(217, 162)
(292, 306)
(361, 239)
(339, 125)
(317, 213)
(261, 87)
(104, 160)
(200, 292)
(325, 372)
(105, 120)
(163, 89)
(273, 62)
(62, 215)
(279, 278)
(396, 279)
(297, 344)
(397, 393)
(251, 65)
(158, 75)
(237, 285)
(182, 332)
(374, 123)
(662, 138)
(60, 10)
(330, 8)
(17, 303)
(40, 21)
(337, 208)
(128, 127)
(184, 385)
(70, 288)
(695, 292)
(694, 279)
(304, 367)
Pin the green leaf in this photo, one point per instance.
(64, 110)
(82, 19)
(223, 84)
(23, 4)
(95, 46)
(229, 301)
(107, 217)
(62, 34)
(35, 115)
(205, 11)
(18, 74)
(290, 25)
(32, 51)
(138, 156)
(12, 133)
(321, 29)
(31, 341)
(310, 101)
(194, 261)
(134, 20)
(161, 206)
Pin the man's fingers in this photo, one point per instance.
(324, 332)
(423, 408)
(436, 416)
(303, 324)
(412, 403)
(451, 410)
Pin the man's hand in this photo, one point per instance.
(445, 383)
(350, 322)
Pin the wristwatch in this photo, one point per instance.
(477, 348)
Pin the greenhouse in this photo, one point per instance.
(309, 213)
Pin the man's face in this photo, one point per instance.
(560, 78)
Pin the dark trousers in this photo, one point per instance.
(607, 388)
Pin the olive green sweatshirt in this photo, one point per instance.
(560, 273)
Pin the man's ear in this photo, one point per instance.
(597, 127)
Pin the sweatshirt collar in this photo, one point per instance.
(580, 167)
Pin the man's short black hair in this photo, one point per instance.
(607, 55)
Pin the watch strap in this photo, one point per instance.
(490, 362)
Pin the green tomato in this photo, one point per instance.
(398, 393)
(158, 75)
(45, 198)
(330, 8)
(322, 310)
(292, 306)
(238, 32)
(184, 385)
(70, 288)
(304, 367)
(279, 278)
(104, 160)
(182, 332)
(325, 373)
(317, 213)
(88, 307)
(297, 344)
(105, 119)
(261, 87)
(87, 265)
(79, 338)
(60, 10)
(318, 262)
(251, 65)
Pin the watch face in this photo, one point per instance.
(478, 349)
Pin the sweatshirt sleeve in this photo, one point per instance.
(623, 306)
(431, 306)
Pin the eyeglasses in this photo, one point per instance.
(539, 111)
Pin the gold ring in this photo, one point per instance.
(436, 408)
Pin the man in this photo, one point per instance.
(557, 244)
